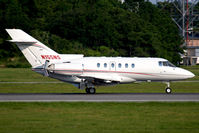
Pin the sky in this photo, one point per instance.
(153, 1)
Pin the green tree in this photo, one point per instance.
(92, 27)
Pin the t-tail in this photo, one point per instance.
(35, 52)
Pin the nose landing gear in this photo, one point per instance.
(168, 90)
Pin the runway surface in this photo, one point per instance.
(100, 97)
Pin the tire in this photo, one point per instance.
(87, 90)
(168, 90)
(92, 90)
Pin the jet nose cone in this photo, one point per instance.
(189, 74)
(183, 73)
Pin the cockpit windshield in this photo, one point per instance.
(166, 63)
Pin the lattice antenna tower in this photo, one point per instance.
(183, 14)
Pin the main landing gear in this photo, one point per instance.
(90, 90)
(168, 90)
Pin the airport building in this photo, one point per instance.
(191, 55)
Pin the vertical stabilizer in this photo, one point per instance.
(35, 52)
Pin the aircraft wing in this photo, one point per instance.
(106, 77)
(100, 77)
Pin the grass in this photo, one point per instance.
(71, 117)
(124, 88)
(99, 117)
(26, 75)
(21, 75)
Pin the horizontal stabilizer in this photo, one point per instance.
(22, 41)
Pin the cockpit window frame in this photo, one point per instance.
(165, 64)
(170, 64)
(160, 63)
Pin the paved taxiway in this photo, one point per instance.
(99, 97)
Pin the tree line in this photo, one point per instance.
(91, 27)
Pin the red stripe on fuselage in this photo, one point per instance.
(102, 71)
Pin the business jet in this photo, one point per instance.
(88, 72)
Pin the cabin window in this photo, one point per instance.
(112, 65)
(119, 65)
(105, 65)
(132, 65)
(126, 65)
(98, 64)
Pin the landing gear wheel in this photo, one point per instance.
(87, 91)
(90, 90)
(168, 90)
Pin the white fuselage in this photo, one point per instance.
(121, 70)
